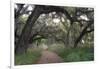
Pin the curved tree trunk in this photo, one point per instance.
(22, 43)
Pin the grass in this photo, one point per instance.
(73, 54)
(30, 57)
(77, 54)
(67, 54)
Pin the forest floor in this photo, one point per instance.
(55, 55)
(49, 57)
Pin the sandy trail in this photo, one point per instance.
(49, 57)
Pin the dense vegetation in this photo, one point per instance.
(67, 31)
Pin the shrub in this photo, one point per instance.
(77, 54)
(27, 58)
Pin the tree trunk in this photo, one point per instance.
(84, 31)
(21, 46)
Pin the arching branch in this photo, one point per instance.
(84, 31)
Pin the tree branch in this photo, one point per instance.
(83, 33)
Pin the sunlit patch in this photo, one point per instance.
(25, 15)
(83, 41)
(30, 8)
(53, 12)
(43, 15)
(84, 17)
(62, 19)
(68, 22)
(16, 7)
(30, 13)
(56, 20)
(50, 14)
(24, 5)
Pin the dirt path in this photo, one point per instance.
(49, 57)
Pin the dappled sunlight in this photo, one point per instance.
(84, 17)
(53, 34)
(56, 21)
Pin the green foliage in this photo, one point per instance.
(71, 10)
(28, 58)
(56, 47)
(23, 19)
(77, 54)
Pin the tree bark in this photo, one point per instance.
(21, 46)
